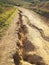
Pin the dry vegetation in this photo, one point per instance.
(39, 6)
(27, 38)
(5, 12)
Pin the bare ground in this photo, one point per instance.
(30, 35)
(8, 43)
(38, 35)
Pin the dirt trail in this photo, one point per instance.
(40, 30)
(38, 36)
(8, 43)
(26, 41)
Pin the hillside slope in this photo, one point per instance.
(39, 6)
(36, 38)
(26, 41)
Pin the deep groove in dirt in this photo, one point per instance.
(16, 58)
(34, 59)
(23, 47)
(40, 30)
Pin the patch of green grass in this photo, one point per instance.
(6, 16)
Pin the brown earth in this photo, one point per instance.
(26, 40)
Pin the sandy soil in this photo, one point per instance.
(38, 34)
(33, 38)
(8, 43)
